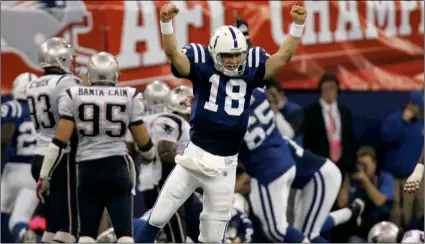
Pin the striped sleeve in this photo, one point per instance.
(257, 58)
(197, 55)
(10, 111)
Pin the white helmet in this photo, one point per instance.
(156, 93)
(19, 87)
(228, 39)
(383, 232)
(180, 100)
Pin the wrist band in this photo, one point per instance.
(296, 30)
(167, 28)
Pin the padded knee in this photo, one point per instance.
(212, 230)
(332, 173)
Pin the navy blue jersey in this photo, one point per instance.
(21, 148)
(220, 109)
(264, 153)
(307, 164)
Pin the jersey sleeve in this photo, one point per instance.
(66, 106)
(138, 109)
(11, 112)
(257, 58)
(65, 83)
(197, 56)
(164, 129)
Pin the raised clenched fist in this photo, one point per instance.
(168, 11)
(298, 14)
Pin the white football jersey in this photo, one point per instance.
(163, 127)
(43, 95)
(170, 127)
(102, 115)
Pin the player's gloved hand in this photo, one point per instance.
(412, 183)
(43, 188)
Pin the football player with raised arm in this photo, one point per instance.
(223, 75)
(101, 114)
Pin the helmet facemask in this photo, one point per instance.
(230, 69)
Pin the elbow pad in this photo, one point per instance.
(53, 156)
(147, 151)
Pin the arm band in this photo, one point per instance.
(296, 30)
(167, 28)
(148, 150)
(52, 158)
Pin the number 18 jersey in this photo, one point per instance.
(220, 109)
(102, 115)
(43, 95)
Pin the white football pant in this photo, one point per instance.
(217, 194)
(270, 202)
(314, 202)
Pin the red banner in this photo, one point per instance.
(371, 45)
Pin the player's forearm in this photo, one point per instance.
(288, 49)
(143, 141)
(285, 52)
(169, 44)
(283, 126)
(52, 158)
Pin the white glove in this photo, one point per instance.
(412, 183)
